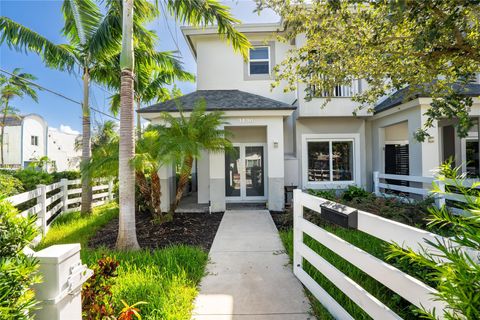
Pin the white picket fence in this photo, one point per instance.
(411, 289)
(55, 199)
(421, 187)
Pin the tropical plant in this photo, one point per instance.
(17, 270)
(17, 85)
(42, 164)
(430, 46)
(97, 300)
(454, 266)
(185, 136)
(146, 163)
(10, 185)
(196, 13)
(92, 37)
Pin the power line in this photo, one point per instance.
(56, 93)
(168, 27)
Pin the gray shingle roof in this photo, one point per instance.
(13, 120)
(407, 94)
(219, 100)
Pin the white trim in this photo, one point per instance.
(227, 113)
(354, 137)
(269, 60)
(395, 142)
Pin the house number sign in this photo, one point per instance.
(245, 120)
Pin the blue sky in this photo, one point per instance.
(45, 18)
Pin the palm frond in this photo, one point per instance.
(21, 38)
(210, 12)
(82, 18)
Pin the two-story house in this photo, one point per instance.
(281, 139)
(28, 138)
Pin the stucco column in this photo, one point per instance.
(217, 181)
(167, 186)
(203, 178)
(424, 156)
(275, 165)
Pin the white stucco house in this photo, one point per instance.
(28, 138)
(284, 140)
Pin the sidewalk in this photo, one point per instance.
(248, 276)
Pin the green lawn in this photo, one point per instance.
(166, 279)
(368, 243)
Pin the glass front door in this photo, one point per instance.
(244, 173)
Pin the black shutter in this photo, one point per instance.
(396, 162)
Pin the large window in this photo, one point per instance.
(259, 62)
(330, 161)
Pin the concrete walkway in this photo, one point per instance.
(248, 276)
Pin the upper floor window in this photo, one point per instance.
(34, 140)
(259, 62)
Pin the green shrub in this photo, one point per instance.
(17, 271)
(325, 194)
(9, 185)
(30, 178)
(69, 175)
(354, 192)
(456, 273)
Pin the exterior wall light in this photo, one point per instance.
(275, 144)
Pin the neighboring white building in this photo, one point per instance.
(28, 138)
(299, 142)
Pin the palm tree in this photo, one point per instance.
(184, 138)
(196, 12)
(127, 236)
(17, 85)
(92, 36)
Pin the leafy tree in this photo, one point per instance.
(184, 138)
(196, 12)
(430, 46)
(454, 267)
(17, 270)
(17, 85)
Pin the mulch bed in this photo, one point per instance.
(195, 229)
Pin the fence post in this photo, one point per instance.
(376, 181)
(297, 230)
(64, 183)
(440, 197)
(110, 190)
(42, 214)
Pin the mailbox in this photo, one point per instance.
(339, 214)
(63, 274)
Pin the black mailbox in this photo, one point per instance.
(339, 214)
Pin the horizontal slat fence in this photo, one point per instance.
(390, 185)
(411, 289)
(50, 201)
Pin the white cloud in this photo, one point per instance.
(68, 129)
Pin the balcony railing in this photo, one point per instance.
(340, 91)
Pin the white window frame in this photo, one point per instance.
(260, 60)
(32, 139)
(339, 137)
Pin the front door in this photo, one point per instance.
(245, 173)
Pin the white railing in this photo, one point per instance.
(411, 289)
(58, 198)
(421, 187)
(339, 91)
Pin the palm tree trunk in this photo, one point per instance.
(139, 122)
(156, 193)
(143, 187)
(127, 235)
(182, 181)
(86, 146)
(4, 120)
